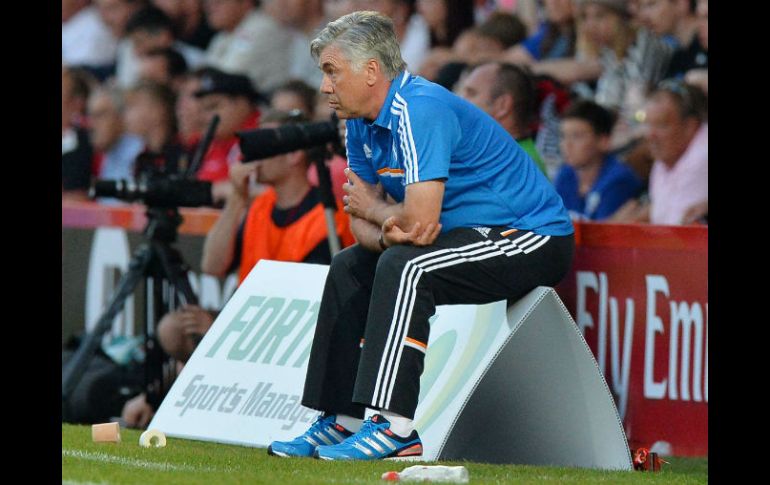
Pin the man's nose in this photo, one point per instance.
(326, 86)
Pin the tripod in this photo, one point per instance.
(161, 266)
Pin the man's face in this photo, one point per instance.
(155, 69)
(600, 24)
(233, 111)
(668, 134)
(477, 87)
(660, 16)
(106, 124)
(580, 145)
(347, 89)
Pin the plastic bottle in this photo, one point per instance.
(425, 473)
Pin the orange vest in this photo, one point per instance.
(262, 239)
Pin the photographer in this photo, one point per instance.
(284, 223)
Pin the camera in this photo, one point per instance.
(267, 142)
(157, 191)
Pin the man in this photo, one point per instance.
(249, 41)
(675, 22)
(286, 222)
(234, 99)
(446, 208)
(507, 93)
(677, 134)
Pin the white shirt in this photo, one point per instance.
(416, 42)
(259, 47)
(85, 40)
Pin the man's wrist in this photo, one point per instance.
(381, 240)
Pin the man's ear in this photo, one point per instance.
(373, 72)
(502, 106)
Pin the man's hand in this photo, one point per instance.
(195, 320)
(393, 234)
(239, 177)
(137, 413)
(362, 198)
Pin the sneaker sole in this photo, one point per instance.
(405, 458)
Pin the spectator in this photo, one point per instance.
(507, 93)
(554, 39)
(250, 41)
(284, 223)
(446, 19)
(149, 114)
(76, 150)
(233, 98)
(163, 65)
(475, 45)
(675, 22)
(699, 76)
(305, 18)
(190, 23)
(191, 120)
(677, 135)
(115, 15)
(85, 39)
(295, 94)
(149, 29)
(116, 150)
(592, 183)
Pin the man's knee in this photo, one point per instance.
(396, 257)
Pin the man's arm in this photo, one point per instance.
(422, 203)
(219, 247)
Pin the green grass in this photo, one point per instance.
(196, 462)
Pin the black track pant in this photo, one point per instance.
(372, 329)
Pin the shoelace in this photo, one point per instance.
(319, 424)
(368, 428)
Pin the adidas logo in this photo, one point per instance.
(367, 151)
(484, 231)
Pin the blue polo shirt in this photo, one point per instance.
(424, 132)
(614, 186)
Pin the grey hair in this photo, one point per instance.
(362, 36)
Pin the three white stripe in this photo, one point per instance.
(407, 140)
(406, 297)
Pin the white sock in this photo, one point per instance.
(349, 422)
(399, 424)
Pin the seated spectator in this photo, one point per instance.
(295, 94)
(475, 45)
(250, 41)
(699, 75)
(190, 23)
(677, 135)
(76, 150)
(507, 93)
(164, 65)
(116, 150)
(85, 39)
(191, 120)
(675, 22)
(149, 29)
(554, 39)
(233, 98)
(149, 114)
(285, 223)
(115, 14)
(592, 183)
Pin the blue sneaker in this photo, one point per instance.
(324, 431)
(374, 441)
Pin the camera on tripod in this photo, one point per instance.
(155, 187)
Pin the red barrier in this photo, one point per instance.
(639, 293)
(644, 289)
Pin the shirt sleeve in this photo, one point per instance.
(427, 133)
(532, 43)
(357, 161)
